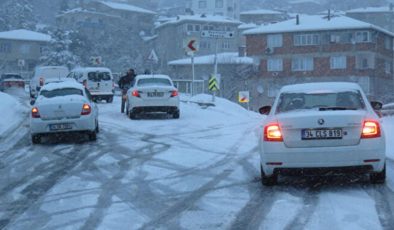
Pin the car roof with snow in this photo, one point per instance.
(146, 76)
(91, 69)
(62, 85)
(51, 67)
(320, 87)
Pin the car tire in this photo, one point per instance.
(268, 180)
(35, 139)
(110, 99)
(379, 177)
(97, 130)
(132, 115)
(92, 136)
(176, 114)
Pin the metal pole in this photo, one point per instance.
(215, 68)
(193, 74)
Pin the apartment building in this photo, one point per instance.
(381, 16)
(262, 16)
(323, 48)
(226, 8)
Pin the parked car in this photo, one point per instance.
(42, 74)
(321, 127)
(11, 80)
(98, 80)
(387, 109)
(152, 93)
(63, 107)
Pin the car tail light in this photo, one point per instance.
(135, 93)
(272, 132)
(174, 93)
(41, 81)
(371, 129)
(86, 109)
(35, 113)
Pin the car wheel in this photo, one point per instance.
(268, 180)
(132, 115)
(379, 177)
(36, 139)
(176, 114)
(97, 127)
(110, 99)
(92, 136)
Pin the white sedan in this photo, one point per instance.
(321, 128)
(152, 93)
(63, 107)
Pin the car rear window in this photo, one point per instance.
(99, 76)
(61, 92)
(11, 76)
(154, 81)
(347, 100)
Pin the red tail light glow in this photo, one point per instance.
(86, 109)
(272, 132)
(174, 93)
(135, 93)
(35, 113)
(371, 129)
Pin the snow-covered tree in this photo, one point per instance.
(17, 14)
(59, 51)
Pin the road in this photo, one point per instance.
(198, 172)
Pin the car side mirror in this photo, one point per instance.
(265, 110)
(32, 102)
(376, 105)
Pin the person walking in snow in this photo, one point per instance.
(125, 83)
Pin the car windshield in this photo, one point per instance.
(154, 81)
(99, 76)
(348, 100)
(61, 92)
(11, 76)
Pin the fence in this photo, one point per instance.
(185, 86)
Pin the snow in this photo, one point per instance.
(67, 83)
(260, 11)
(321, 87)
(11, 111)
(126, 7)
(246, 26)
(85, 11)
(315, 23)
(25, 35)
(222, 58)
(199, 18)
(382, 9)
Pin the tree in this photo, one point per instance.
(59, 51)
(17, 14)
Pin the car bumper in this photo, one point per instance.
(276, 156)
(155, 105)
(84, 123)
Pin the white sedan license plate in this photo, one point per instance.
(57, 127)
(317, 134)
(155, 94)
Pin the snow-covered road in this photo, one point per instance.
(198, 172)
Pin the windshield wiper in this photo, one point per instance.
(336, 108)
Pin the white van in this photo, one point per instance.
(98, 80)
(44, 73)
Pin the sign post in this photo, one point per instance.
(244, 97)
(191, 46)
(153, 59)
(213, 86)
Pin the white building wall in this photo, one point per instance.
(230, 8)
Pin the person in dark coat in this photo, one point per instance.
(125, 84)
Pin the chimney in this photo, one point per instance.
(297, 19)
(242, 51)
(329, 15)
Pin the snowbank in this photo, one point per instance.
(11, 113)
(388, 126)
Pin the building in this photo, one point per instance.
(321, 48)
(226, 8)
(199, 27)
(380, 16)
(262, 16)
(20, 50)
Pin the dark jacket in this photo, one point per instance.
(126, 81)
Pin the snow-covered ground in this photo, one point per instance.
(198, 172)
(11, 111)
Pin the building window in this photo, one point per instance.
(338, 62)
(364, 61)
(205, 45)
(197, 28)
(202, 4)
(5, 47)
(387, 67)
(306, 39)
(219, 3)
(25, 49)
(302, 64)
(363, 36)
(274, 64)
(190, 27)
(274, 40)
(226, 45)
(387, 42)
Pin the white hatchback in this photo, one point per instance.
(321, 128)
(152, 93)
(63, 107)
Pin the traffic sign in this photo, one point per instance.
(243, 97)
(217, 34)
(96, 60)
(191, 45)
(153, 57)
(213, 84)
